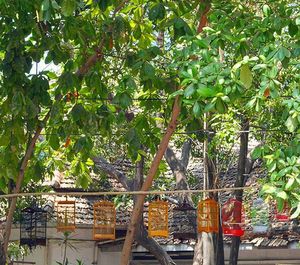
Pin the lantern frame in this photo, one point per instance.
(158, 219)
(260, 216)
(208, 216)
(104, 221)
(33, 227)
(232, 218)
(66, 216)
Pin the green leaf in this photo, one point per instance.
(291, 123)
(55, 5)
(259, 66)
(125, 100)
(221, 106)
(269, 189)
(205, 91)
(78, 112)
(68, 7)
(197, 109)
(45, 5)
(282, 194)
(189, 91)
(266, 10)
(103, 4)
(256, 153)
(54, 141)
(210, 106)
(289, 184)
(157, 12)
(296, 213)
(148, 71)
(246, 76)
(283, 53)
(293, 29)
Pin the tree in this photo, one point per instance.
(111, 63)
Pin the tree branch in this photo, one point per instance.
(138, 207)
(150, 244)
(110, 170)
(185, 153)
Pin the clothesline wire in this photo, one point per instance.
(115, 193)
(150, 99)
(183, 133)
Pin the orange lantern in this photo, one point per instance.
(104, 220)
(208, 216)
(66, 216)
(158, 219)
(232, 218)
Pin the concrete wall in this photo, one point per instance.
(91, 252)
(80, 246)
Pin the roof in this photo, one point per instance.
(182, 223)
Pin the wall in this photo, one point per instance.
(81, 247)
(100, 253)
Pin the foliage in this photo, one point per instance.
(232, 69)
(15, 251)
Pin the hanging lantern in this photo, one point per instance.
(232, 218)
(66, 216)
(284, 214)
(208, 216)
(183, 221)
(260, 216)
(158, 219)
(33, 227)
(104, 220)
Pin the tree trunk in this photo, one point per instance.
(240, 179)
(137, 210)
(2, 254)
(220, 258)
(29, 151)
(178, 168)
(198, 250)
(150, 244)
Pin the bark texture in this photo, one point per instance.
(149, 243)
(125, 257)
(2, 254)
(240, 181)
(178, 168)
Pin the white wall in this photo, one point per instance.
(82, 247)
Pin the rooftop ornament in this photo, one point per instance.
(259, 216)
(104, 221)
(66, 213)
(158, 219)
(208, 216)
(232, 218)
(33, 227)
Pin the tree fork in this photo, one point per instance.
(148, 183)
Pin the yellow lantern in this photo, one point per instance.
(208, 216)
(66, 213)
(104, 221)
(158, 219)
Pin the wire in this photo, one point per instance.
(116, 193)
(182, 133)
(154, 99)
